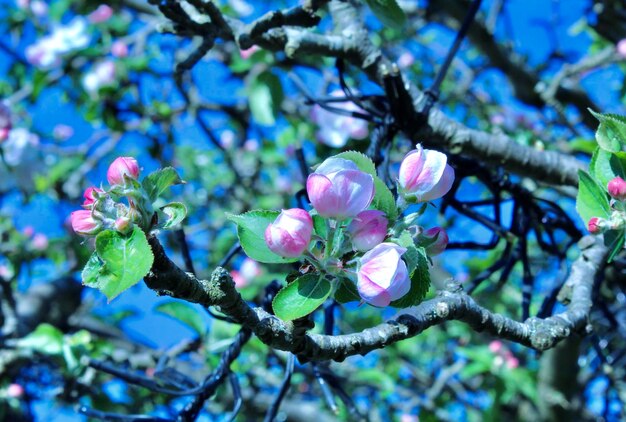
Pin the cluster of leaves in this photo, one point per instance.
(121, 260)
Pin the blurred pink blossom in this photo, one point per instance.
(406, 59)
(63, 132)
(5, 121)
(495, 346)
(247, 53)
(335, 129)
(101, 75)
(40, 242)
(47, 51)
(102, 14)
(28, 231)
(119, 49)
(15, 390)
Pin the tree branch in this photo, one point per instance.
(450, 304)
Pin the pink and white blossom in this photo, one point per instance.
(425, 174)
(289, 235)
(47, 52)
(338, 189)
(100, 76)
(382, 275)
(368, 229)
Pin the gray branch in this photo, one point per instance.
(450, 304)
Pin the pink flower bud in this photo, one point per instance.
(368, 229)
(621, 48)
(596, 225)
(338, 189)
(425, 174)
(119, 49)
(512, 362)
(617, 188)
(122, 166)
(495, 346)
(28, 231)
(15, 391)
(123, 225)
(83, 223)
(102, 14)
(89, 196)
(40, 242)
(382, 275)
(435, 240)
(289, 235)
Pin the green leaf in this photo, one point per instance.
(611, 133)
(388, 12)
(265, 95)
(175, 212)
(301, 297)
(251, 232)
(605, 166)
(158, 181)
(185, 313)
(347, 292)
(92, 270)
(383, 198)
(126, 259)
(614, 240)
(46, 339)
(320, 226)
(420, 278)
(591, 200)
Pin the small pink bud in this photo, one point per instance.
(102, 14)
(289, 235)
(123, 225)
(336, 129)
(368, 229)
(122, 166)
(621, 48)
(382, 275)
(15, 391)
(250, 269)
(512, 362)
(83, 223)
(435, 240)
(119, 49)
(425, 174)
(40, 242)
(495, 346)
(596, 225)
(28, 231)
(617, 188)
(89, 196)
(338, 189)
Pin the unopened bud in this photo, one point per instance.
(617, 188)
(596, 225)
(123, 225)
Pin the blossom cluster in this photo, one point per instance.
(360, 244)
(617, 220)
(102, 212)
